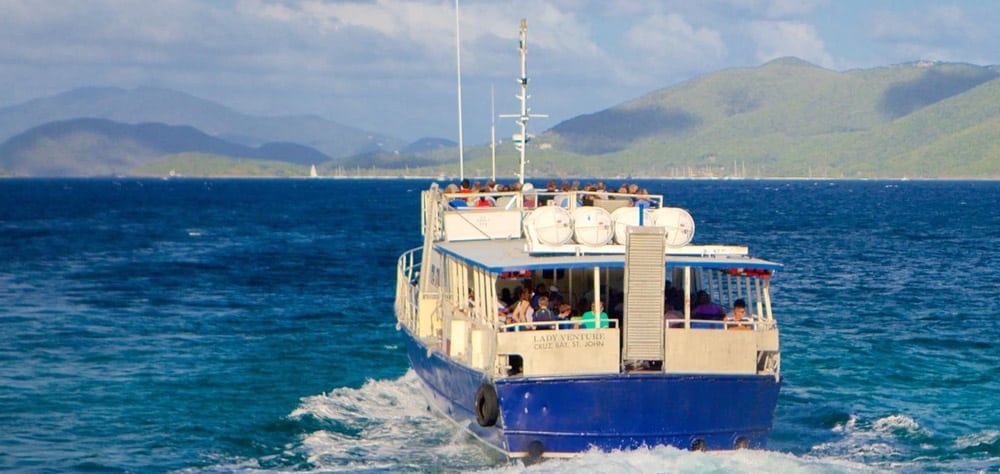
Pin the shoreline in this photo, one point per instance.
(503, 179)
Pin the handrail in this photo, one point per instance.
(571, 197)
(559, 324)
(755, 324)
(407, 288)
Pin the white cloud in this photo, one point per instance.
(753, 10)
(775, 39)
(960, 32)
(934, 24)
(788, 9)
(667, 44)
(389, 64)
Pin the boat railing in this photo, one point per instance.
(560, 325)
(528, 200)
(744, 325)
(407, 282)
(502, 215)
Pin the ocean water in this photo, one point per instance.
(246, 326)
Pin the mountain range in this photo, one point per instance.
(784, 118)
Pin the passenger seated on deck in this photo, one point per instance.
(484, 199)
(530, 196)
(738, 314)
(503, 312)
(565, 312)
(672, 314)
(642, 201)
(540, 291)
(465, 187)
(543, 313)
(587, 321)
(522, 312)
(455, 202)
(706, 309)
(506, 297)
(549, 193)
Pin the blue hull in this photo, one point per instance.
(563, 415)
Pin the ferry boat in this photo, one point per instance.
(657, 370)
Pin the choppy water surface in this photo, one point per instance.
(246, 325)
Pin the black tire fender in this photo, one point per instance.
(487, 405)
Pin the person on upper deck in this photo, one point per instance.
(548, 194)
(529, 195)
(642, 201)
(706, 309)
(588, 197)
(565, 200)
(484, 199)
(455, 202)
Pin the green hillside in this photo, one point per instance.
(786, 118)
(99, 147)
(200, 165)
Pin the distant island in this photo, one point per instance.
(787, 118)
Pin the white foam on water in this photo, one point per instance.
(899, 424)
(385, 425)
(875, 442)
(668, 459)
(898, 442)
(985, 437)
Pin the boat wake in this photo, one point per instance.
(384, 426)
(387, 426)
(899, 442)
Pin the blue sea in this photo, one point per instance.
(193, 326)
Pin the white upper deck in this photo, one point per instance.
(572, 229)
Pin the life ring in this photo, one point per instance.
(487, 407)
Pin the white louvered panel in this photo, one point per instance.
(644, 281)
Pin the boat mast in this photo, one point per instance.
(493, 137)
(458, 63)
(521, 139)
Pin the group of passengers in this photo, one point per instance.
(706, 310)
(542, 306)
(483, 195)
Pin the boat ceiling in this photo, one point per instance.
(510, 255)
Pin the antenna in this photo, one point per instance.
(458, 63)
(521, 139)
(493, 135)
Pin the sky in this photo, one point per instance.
(389, 66)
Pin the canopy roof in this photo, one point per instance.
(510, 256)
